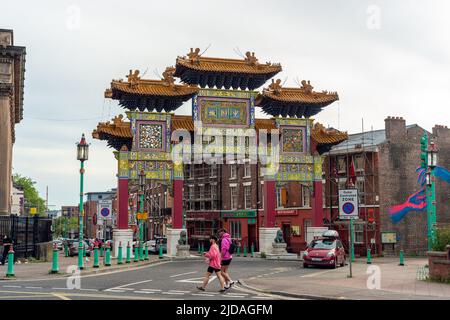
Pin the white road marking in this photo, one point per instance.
(176, 293)
(114, 290)
(33, 287)
(12, 286)
(150, 289)
(261, 297)
(233, 296)
(144, 291)
(61, 289)
(89, 289)
(179, 291)
(182, 274)
(203, 294)
(241, 294)
(197, 280)
(130, 284)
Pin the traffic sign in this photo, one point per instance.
(104, 209)
(348, 204)
(142, 216)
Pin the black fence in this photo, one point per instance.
(26, 233)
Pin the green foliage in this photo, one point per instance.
(63, 225)
(442, 239)
(31, 195)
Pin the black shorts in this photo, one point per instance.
(226, 262)
(212, 270)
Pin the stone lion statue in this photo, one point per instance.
(183, 238)
(279, 238)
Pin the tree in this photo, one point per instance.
(64, 225)
(31, 195)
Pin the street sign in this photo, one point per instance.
(142, 216)
(105, 209)
(33, 210)
(348, 204)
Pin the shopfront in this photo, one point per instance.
(242, 226)
(293, 223)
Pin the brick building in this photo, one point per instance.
(385, 163)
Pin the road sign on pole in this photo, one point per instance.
(104, 209)
(348, 204)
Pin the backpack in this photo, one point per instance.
(231, 249)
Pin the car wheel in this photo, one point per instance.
(305, 265)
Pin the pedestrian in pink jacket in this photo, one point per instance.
(214, 258)
(225, 243)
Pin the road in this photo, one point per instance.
(164, 280)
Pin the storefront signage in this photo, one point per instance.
(251, 221)
(238, 214)
(286, 212)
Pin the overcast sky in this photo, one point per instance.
(384, 58)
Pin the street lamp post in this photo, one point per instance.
(82, 155)
(141, 210)
(431, 193)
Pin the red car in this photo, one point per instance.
(325, 251)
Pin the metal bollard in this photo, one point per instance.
(108, 256)
(136, 254)
(199, 249)
(119, 254)
(10, 271)
(239, 251)
(95, 265)
(128, 259)
(252, 250)
(160, 252)
(245, 250)
(369, 256)
(55, 267)
(402, 258)
(141, 251)
(66, 250)
(146, 252)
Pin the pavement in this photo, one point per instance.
(395, 282)
(157, 280)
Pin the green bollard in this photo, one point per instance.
(203, 248)
(402, 262)
(141, 251)
(252, 250)
(10, 271)
(66, 250)
(119, 254)
(95, 265)
(245, 250)
(108, 256)
(128, 260)
(239, 251)
(160, 252)
(55, 268)
(136, 254)
(199, 248)
(369, 256)
(146, 252)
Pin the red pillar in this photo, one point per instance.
(318, 204)
(269, 203)
(177, 214)
(122, 190)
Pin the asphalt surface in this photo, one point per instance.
(175, 280)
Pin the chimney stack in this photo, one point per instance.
(395, 129)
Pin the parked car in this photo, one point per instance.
(59, 244)
(73, 248)
(153, 245)
(325, 251)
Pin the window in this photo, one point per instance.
(281, 197)
(233, 171)
(235, 229)
(342, 184)
(248, 197)
(361, 191)
(233, 197)
(342, 165)
(306, 225)
(165, 199)
(213, 170)
(359, 233)
(214, 191)
(358, 162)
(247, 168)
(191, 192)
(191, 171)
(306, 197)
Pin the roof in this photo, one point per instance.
(299, 102)
(246, 73)
(365, 140)
(117, 133)
(142, 94)
(323, 135)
